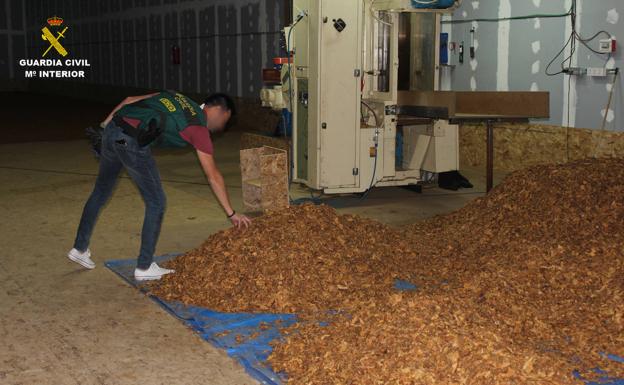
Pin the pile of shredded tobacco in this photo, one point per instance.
(523, 286)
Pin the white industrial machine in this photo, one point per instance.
(363, 90)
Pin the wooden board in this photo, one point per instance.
(255, 140)
(250, 164)
(264, 172)
(476, 105)
(252, 197)
(512, 104)
(517, 146)
(274, 179)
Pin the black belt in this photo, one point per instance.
(126, 127)
(143, 137)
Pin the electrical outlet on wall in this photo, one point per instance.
(607, 45)
(575, 71)
(597, 71)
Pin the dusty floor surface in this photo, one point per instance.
(60, 324)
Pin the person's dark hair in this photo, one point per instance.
(221, 100)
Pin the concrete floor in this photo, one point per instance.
(60, 324)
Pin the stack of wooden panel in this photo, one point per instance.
(265, 178)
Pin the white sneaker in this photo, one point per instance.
(154, 272)
(83, 259)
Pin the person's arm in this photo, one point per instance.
(218, 187)
(128, 100)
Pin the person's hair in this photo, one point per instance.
(221, 100)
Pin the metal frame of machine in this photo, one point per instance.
(345, 89)
(344, 133)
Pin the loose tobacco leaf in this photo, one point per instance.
(520, 287)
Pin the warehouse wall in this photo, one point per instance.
(513, 55)
(224, 43)
(12, 41)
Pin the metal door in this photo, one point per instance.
(340, 46)
(301, 149)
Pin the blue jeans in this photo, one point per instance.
(121, 150)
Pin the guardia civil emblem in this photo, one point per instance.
(53, 35)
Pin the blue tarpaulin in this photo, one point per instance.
(246, 337)
(401, 285)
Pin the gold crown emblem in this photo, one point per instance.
(55, 21)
